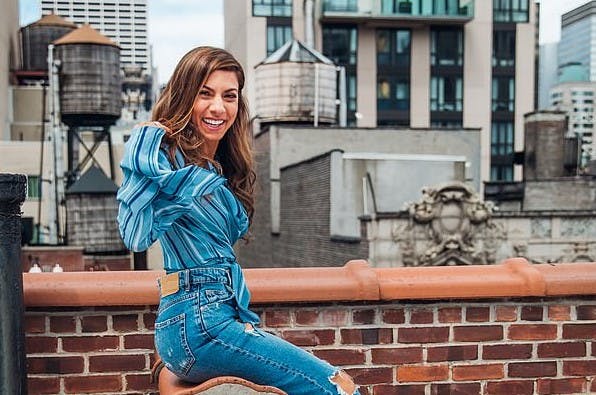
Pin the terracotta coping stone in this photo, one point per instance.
(356, 281)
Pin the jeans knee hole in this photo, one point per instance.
(344, 383)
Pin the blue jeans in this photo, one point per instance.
(199, 336)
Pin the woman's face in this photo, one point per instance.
(216, 107)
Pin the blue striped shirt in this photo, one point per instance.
(189, 209)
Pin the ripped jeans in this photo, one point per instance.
(199, 336)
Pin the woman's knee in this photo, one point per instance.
(344, 383)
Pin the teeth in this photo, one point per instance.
(213, 122)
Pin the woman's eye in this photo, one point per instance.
(204, 93)
(231, 96)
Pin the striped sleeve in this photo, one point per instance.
(153, 194)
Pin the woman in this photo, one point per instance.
(188, 182)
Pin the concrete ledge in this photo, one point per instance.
(356, 281)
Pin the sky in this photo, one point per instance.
(177, 26)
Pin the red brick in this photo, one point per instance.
(116, 363)
(562, 386)
(35, 324)
(438, 334)
(452, 353)
(310, 338)
(396, 356)
(41, 344)
(55, 365)
(92, 384)
(586, 312)
(63, 324)
(517, 387)
(579, 331)
(532, 332)
(90, 343)
(277, 318)
(579, 368)
(478, 372)
(342, 357)
(416, 389)
(306, 317)
(506, 313)
(139, 382)
(367, 336)
(532, 369)
(421, 316)
(394, 316)
(507, 351)
(139, 342)
(477, 333)
(477, 314)
(418, 373)
(455, 388)
(335, 317)
(363, 317)
(94, 323)
(366, 376)
(125, 323)
(532, 313)
(559, 313)
(450, 315)
(43, 385)
(561, 350)
(149, 320)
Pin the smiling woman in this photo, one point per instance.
(188, 182)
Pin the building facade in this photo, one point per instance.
(578, 38)
(576, 99)
(452, 64)
(9, 55)
(123, 21)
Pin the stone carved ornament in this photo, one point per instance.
(456, 226)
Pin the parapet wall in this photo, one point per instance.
(512, 328)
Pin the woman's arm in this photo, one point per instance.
(153, 195)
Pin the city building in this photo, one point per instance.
(574, 95)
(547, 73)
(578, 38)
(419, 64)
(123, 21)
(9, 56)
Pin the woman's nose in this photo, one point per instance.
(217, 105)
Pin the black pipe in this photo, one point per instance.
(13, 368)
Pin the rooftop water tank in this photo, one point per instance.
(91, 211)
(296, 84)
(36, 37)
(90, 81)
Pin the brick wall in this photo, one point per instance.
(304, 237)
(503, 346)
(257, 253)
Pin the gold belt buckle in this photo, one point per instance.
(169, 284)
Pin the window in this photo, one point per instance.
(446, 93)
(393, 76)
(503, 48)
(501, 150)
(510, 10)
(340, 5)
(447, 47)
(277, 35)
(340, 43)
(272, 7)
(393, 47)
(503, 94)
(33, 187)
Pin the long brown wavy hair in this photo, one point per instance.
(174, 111)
